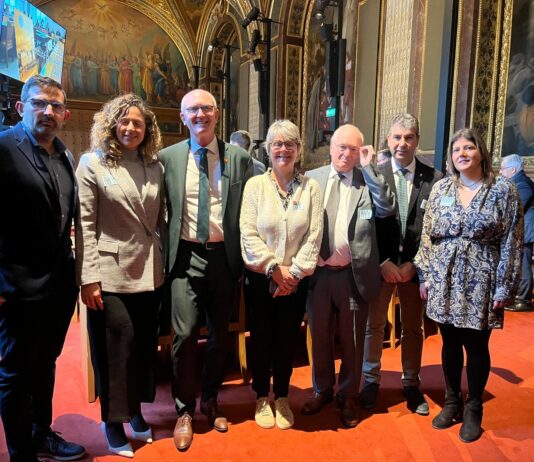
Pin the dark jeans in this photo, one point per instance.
(524, 291)
(31, 338)
(200, 287)
(124, 341)
(476, 344)
(274, 328)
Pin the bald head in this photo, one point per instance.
(344, 148)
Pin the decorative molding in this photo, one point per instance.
(293, 83)
(396, 62)
(297, 18)
(486, 66)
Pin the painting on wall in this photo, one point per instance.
(320, 108)
(518, 126)
(108, 53)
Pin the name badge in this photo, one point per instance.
(109, 180)
(297, 206)
(365, 214)
(423, 204)
(447, 201)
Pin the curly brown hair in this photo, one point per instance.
(103, 131)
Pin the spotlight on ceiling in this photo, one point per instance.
(327, 32)
(251, 16)
(320, 6)
(215, 43)
(254, 41)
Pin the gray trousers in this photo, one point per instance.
(411, 335)
(331, 296)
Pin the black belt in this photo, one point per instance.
(198, 246)
(336, 268)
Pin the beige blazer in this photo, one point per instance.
(118, 232)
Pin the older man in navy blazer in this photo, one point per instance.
(38, 199)
(204, 180)
(512, 168)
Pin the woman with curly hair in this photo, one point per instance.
(120, 262)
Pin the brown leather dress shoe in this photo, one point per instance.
(349, 413)
(210, 408)
(316, 403)
(183, 432)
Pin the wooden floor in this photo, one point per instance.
(391, 433)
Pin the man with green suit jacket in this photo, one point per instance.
(204, 180)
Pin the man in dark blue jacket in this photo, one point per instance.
(512, 168)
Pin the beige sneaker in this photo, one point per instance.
(264, 414)
(284, 415)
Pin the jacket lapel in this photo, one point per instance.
(355, 192)
(225, 176)
(25, 146)
(416, 186)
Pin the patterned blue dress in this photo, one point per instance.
(472, 256)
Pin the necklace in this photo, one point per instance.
(473, 185)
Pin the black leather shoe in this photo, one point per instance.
(316, 403)
(452, 412)
(471, 429)
(50, 444)
(520, 306)
(416, 401)
(349, 413)
(368, 395)
(216, 420)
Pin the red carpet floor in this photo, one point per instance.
(391, 433)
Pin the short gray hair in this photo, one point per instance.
(285, 129)
(407, 121)
(512, 160)
(242, 139)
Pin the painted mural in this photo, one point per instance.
(320, 108)
(108, 53)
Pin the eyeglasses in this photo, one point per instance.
(344, 148)
(288, 144)
(206, 109)
(42, 104)
(504, 168)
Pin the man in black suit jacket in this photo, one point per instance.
(411, 180)
(38, 198)
(204, 255)
(512, 168)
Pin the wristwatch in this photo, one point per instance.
(271, 270)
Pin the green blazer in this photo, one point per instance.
(237, 169)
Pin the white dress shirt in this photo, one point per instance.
(192, 181)
(410, 174)
(341, 255)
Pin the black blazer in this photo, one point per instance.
(424, 179)
(35, 255)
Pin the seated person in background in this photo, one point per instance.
(243, 139)
(512, 168)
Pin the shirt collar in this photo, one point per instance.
(334, 172)
(395, 166)
(211, 146)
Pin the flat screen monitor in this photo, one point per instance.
(30, 42)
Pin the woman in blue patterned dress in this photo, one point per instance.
(469, 267)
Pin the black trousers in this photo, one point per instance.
(274, 329)
(201, 288)
(124, 341)
(476, 344)
(524, 291)
(31, 339)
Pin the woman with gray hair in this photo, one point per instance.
(281, 229)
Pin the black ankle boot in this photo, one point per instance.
(471, 429)
(451, 413)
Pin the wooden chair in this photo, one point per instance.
(165, 342)
(393, 308)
